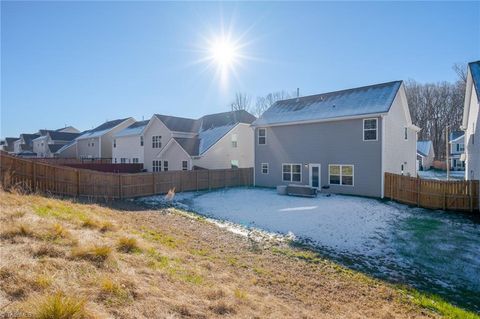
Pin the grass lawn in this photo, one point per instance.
(62, 259)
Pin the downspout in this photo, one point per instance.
(383, 157)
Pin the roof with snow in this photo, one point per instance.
(423, 147)
(208, 129)
(64, 147)
(370, 99)
(28, 138)
(63, 136)
(475, 71)
(455, 135)
(134, 129)
(101, 129)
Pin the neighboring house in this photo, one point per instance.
(8, 145)
(425, 155)
(342, 142)
(457, 149)
(24, 145)
(49, 143)
(215, 141)
(95, 143)
(470, 123)
(128, 144)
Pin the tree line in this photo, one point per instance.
(433, 106)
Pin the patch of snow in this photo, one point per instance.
(441, 175)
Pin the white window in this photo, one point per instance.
(165, 166)
(292, 172)
(115, 160)
(370, 129)
(460, 147)
(340, 175)
(264, 168)
(141, 140)
(156, 141)
(262, 136)
(234, 141)
(93, 144)
(123, 160)
(114, 142)
(157, 166)
(405, 134)
(184, 165)
(135, 160)
(234, 163)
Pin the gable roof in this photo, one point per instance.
(134, 129)
(28, 138)
(11, 140)
(372, 99)
(54, 147)
(63, 136)
(475, 71)
(454, 135)
(423, 147)
(65, 146)
(190, 145)
(179, 124)
(102, 129)
(226, 118)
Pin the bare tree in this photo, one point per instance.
(461, 70)
(264, 102)
(242, 101)
(433, 106)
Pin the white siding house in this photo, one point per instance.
(457, 150)
(470, 123)
(215, 141)
(425, 155)
(128, 144)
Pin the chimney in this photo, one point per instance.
(298, 92)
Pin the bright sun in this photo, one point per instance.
(223, 53)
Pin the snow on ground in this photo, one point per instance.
(432, 250)
(441, 175)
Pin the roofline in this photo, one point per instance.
(167, 145)
(473, 79)
(454, 140)
(332, 119)
(210, 147)
(342, 90)
(108, 130)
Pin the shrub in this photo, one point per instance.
(128, 245)
(59, 306)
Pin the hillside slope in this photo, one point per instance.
(91, 261)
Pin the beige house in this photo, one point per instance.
(24, 145)
(215, 141)
(471, 121)
(48, 144)
(95, 143)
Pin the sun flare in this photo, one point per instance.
(223, 53)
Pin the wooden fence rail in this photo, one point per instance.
(433, 194)
(66, 181)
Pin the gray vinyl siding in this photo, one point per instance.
(335, 142)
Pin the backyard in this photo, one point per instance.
(434, 251)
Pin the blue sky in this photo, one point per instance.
(83, 63)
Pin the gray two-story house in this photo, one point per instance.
(339, 142)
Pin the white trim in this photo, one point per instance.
(333, 119)
(167, 145)
(310, 166)
(258, 136)
(376, 129)
(268, 169)
(353, 174)
(291, 172)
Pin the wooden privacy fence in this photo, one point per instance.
(66, 181)
(433, 194)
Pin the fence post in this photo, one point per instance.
(444, 196)
(196, 179)
(78, 182)
(154, 184)
(470, 195)
(120, 186)
(34, 188)
(418, 192)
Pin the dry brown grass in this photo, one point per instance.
(154, 264)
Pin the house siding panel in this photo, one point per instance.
(335, 142)
(472, 146)
(155, 128)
